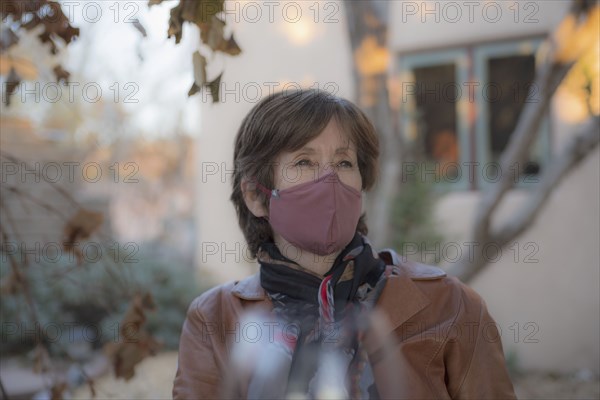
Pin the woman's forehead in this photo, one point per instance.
(333, 137)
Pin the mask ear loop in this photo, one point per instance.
(269, 193)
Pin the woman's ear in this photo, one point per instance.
(252, 199)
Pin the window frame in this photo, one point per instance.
(470, 63)
(459, 57)
(481, 55)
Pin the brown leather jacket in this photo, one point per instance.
(446, 344)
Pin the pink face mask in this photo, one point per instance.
(319, 216)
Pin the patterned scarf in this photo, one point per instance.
(317, 345)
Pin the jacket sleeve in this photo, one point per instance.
(197, 375)
(475, 361)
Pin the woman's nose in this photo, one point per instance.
(326, 168)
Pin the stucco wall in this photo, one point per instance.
(552, 281)
(418, 25)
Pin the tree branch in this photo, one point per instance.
(575, 151)
(557, 65)
(559, 61)
(520, 142)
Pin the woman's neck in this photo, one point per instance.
(311, 262)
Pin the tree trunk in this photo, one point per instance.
(368, 29)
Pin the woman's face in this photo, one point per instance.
(331, 150)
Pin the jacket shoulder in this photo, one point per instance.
(415, 270)
(207, 304)
(446, 294)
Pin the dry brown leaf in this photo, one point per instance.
(12, 82)
(230, 47)
(194, 89)
(82, 225)
(199, 62)
(214, 86)
(212, 33)
(175, 23)
(135, 343)
(61, 74)
(57, 391)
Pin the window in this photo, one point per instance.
(437, 119)
(460, 107)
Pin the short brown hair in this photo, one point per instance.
(286, 121)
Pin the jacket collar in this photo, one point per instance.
(397, 309)
(249, 288)
(400, 300)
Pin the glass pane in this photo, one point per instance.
(436, 98)
(510, 79)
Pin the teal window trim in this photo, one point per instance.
(471, 66)
(458, 57)
(541, 147)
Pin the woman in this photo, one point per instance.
(330, 317)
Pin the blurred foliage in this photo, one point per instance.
(412, 218)
(48, 17)
(173, 291)
(580, 90)
(203, 14)
(577, 32)
(513, 363)
(97, 296)
(64, 303)
(29, 15)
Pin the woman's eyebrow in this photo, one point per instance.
(310, 150)
(344, 150)
(307, 149)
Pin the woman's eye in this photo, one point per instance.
(345, 164)
(304, 163)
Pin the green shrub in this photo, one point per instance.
(96, 295)
(413, 226)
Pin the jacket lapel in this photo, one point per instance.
(249, 288)
(400, 300)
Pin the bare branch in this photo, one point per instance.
(548, 80)
(59, 189)
(557, 65)
(575, 151)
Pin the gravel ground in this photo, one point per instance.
(154, 380)
(551, 386)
